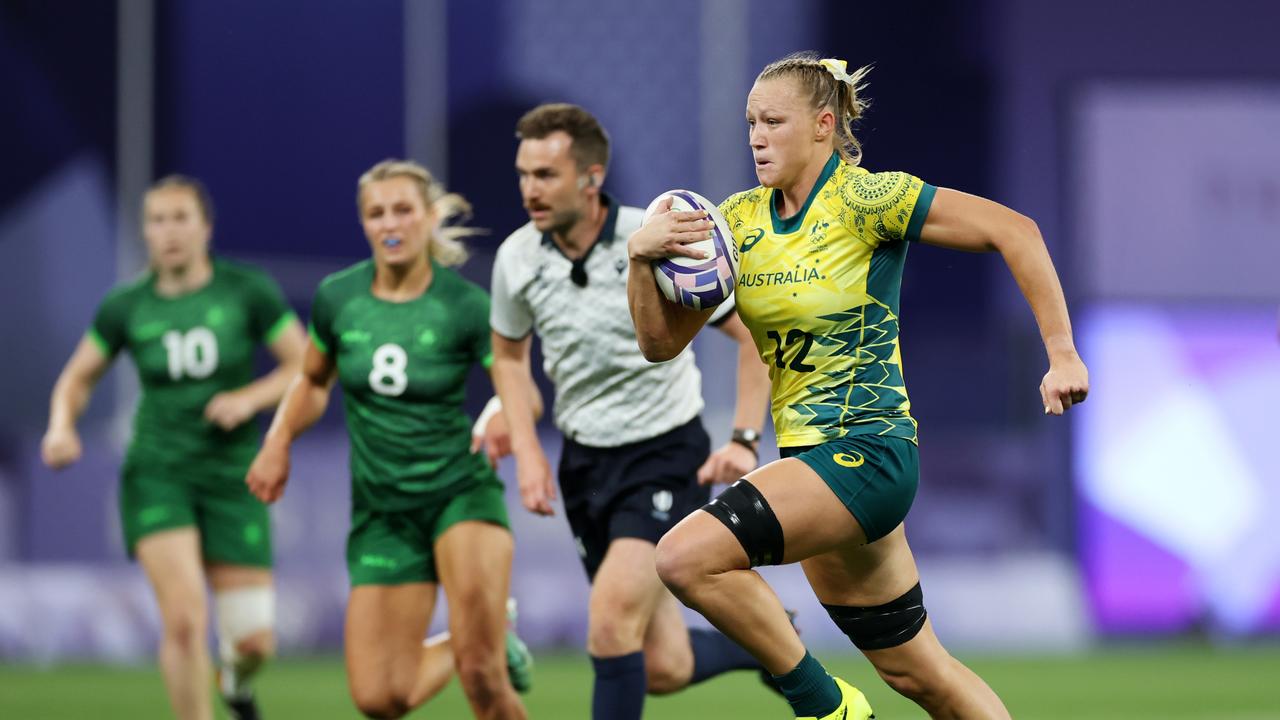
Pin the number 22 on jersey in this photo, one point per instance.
(794, 336)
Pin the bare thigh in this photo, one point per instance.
(705, 566)
(474, 562)
(813, 519)
(385, 628)
(223, 576)
(863, 575)
(171, 559)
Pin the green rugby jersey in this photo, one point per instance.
(187, 349)
(403, 368)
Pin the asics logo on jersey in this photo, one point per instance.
(356, 336)
(753, 237)
(849, 460)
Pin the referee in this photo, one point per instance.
(636, 458)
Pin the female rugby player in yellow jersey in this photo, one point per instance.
(191, 325)
(823, 243)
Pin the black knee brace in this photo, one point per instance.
(744, 511)
(882, 626)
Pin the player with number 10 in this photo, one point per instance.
(191, 324)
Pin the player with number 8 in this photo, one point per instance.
(191, 325)
(400, 332)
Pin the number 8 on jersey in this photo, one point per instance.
(388, 374)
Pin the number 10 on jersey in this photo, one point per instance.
(193, 353)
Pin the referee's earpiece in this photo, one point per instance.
(588, 180)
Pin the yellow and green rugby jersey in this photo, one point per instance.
(819, 292)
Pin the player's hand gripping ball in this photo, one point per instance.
(693, 282)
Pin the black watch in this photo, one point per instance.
(747, 437)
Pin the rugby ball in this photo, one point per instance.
(694, 282)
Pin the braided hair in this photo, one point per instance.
(818, 82)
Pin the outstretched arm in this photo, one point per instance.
(967, 222)
(60, 446)
(304, 403)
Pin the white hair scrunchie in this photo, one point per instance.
(837, 68)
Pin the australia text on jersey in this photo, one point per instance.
(798, 275)
(817, 242)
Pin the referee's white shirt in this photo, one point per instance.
(606, 393)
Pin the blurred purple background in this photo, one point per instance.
(1144, 139)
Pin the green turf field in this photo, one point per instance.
(1169, 683)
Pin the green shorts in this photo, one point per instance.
(396, 547)
(234, 526)
(875, 476)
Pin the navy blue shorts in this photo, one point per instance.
(640, 490)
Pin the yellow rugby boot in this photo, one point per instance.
(853, 704)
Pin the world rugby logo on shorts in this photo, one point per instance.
(662, 502)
